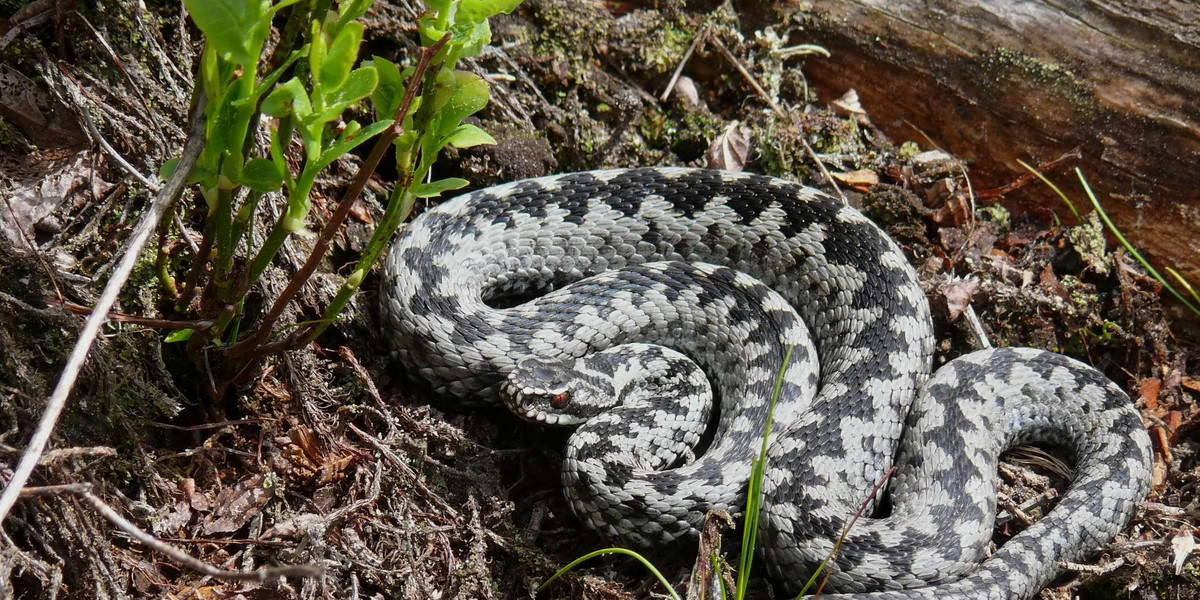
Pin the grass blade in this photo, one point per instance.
(1133, 251)
(626, 552)
(754, 489)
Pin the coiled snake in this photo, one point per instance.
(730, 270)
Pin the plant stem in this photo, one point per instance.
(351, 194)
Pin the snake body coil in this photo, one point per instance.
(731, 270)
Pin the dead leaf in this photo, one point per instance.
(955, 211)
(304, 459)
(861, 180)
(1189, 383)
(958, 295)
(1049, 283)
(359, 211)
(294, 526)
(685, 90)
(934, 163)
(198, 500)
(236, 505)
(33, 200)
(1159, 479)
(1182, 546)
(1164, 445)
(1148, 389)
(939, 192)
(848, 105)
(171, 520)
(729, 151)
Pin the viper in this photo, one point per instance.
(628, 300)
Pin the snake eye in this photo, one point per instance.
(560, 400)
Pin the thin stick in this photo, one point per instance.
(84, 491)
(758, 89)
(683, 62)
(80, 309)
(91, 329)
(78, 92)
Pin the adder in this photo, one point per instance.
(637, 287)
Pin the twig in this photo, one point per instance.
(84, 491)
(1026, 178)
(407, 470)
(112, 153)
(91, 329)
(758, 89)
(850, 525)
(700, 38)
(976, 327)
(80, 309)
(62, 454)
(1092, 569)
(30, 16)
(112, 55)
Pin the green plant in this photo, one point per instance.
(306, 98)
(1193, 304)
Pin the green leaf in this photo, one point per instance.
(210, 74)
(438, 6)
(317, 47)
(287, 98)
(435, 188)
(353, 9)
(470, 38)
(427, 26)
(261, 175)
(443, 91)
(469, 97)
(468, 135)
(269, 81)
(180, 335)
(333, 152)
(219, 127)
(477, 11)
(339, 59)
(390, 91)
(235, 28)
(168, 168)
(358, 85)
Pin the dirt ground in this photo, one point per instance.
(329, 457)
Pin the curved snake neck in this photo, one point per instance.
(752, 266)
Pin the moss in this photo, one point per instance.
(1004, 65)
(570, 32)
(1088, 241)
(664, 44)
(908, 150)
(12, 140)
(998, 215)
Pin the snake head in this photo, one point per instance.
(549, 391)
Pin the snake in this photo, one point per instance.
(669, 313)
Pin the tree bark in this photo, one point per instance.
(996, 81)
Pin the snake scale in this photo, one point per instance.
(667, 285)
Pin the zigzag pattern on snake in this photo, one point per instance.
(730, 270)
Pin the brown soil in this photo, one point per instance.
(329, 458)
